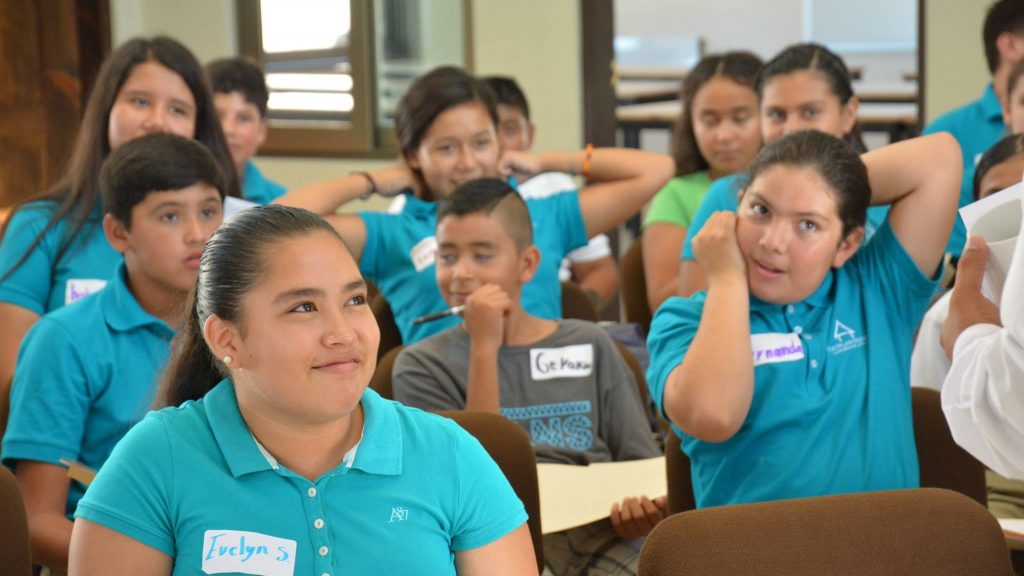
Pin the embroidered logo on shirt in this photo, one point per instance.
(567, 362)
(775, 347)
(562, 424)
(237, 551)
(423, 253)
(78, 288)
(399, 514)
(846, 339)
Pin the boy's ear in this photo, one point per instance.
(264, 126)
(224, 339)
(116, 233)
(531, 131)
(529, 260)
(1010, 47)
(848, 247)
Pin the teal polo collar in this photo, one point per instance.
(820, 297)
(122, 311)
(990, 105)
(418, 207)
(380, 450)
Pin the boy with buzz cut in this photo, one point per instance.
(86, 373)
(240, 96)
(563, 381)
(591, 266)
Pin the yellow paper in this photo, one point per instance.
(575, 495)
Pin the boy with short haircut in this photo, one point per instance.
(979, 124)
(563, 381)
(86, 373)
(240, 96)
(591, 266)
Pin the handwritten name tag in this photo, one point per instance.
(775, 347)
(423, 253)
(236, 551)
(78, 288)
(568, 362)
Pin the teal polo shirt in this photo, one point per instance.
(193, 483)
(44, 282)
(400, 249)
(724, 196)
(85, 375)
(830, 412)
(258, 188)
(976, 126)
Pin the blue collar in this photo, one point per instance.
(822, 296)
(380, 451)
(990, 105)
(122, 311)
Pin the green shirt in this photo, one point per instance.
(678, 201)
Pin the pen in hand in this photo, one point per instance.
(453, 311)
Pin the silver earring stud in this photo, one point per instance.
(228, 359)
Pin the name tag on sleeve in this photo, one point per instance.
(776, 347)
(423, 253)
(567, 362)
(240, 552)
(77, 288)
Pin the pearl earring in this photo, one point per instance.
(228, 359)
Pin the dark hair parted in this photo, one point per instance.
(430, 95)
(741, 68)
(814, 58)
(1000, 152)
(241, 75)
(834, 159)
(151, 163)
(1003, 16)
(78, 193)
(233, 262)
(491, 197)
(508, 93)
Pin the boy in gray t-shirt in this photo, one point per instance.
(563, 381)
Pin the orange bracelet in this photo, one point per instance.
(585, 172)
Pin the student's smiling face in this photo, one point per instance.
(459, 146)
(725, 124)
(474, 250)
(307, 341)
(790, 233)
(803, 100)
(152, 99)
(165, 239)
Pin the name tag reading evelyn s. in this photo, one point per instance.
(567, 362)
(241, 552)
(775, 347)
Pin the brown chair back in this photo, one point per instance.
(943, 463)
(15, 553)
(390, 337)
(380, 382)
(576, 304)
(918, 532)
(634, 286)
(510, 447)
(677, 473)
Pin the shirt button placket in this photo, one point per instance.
(314, 511)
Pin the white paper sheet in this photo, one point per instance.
(575, 495)
(997, 219)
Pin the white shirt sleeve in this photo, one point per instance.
(928, 362)
(983, 395)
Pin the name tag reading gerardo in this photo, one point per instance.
(775, 347)
(237, 551)
(567, 362)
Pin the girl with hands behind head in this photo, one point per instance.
(446, 126)
(789, 376)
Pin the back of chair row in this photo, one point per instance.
(922, 532)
